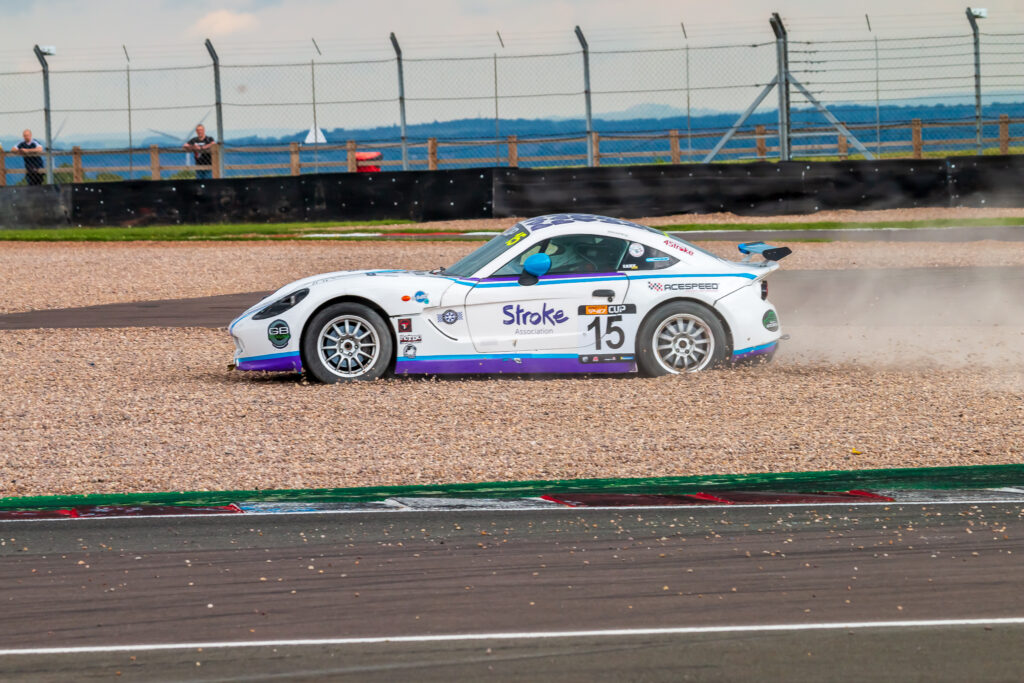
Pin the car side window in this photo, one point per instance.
(573, 254)
(515, 266)
(642, 257)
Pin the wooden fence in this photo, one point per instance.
(300, 157)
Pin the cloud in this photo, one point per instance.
(223, 22)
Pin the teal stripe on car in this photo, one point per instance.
(270, 356)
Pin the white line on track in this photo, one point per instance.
(538, 635)
(554, 507)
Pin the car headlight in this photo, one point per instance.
(281, 305)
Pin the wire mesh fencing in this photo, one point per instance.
(878, 96)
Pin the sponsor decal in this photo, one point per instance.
(406, 297)
(770, 320)
(410, 339)
(607, 358)
(409, 351)
(515, 314)
(405, 324)
(422, 298)
(449, 317)
(279, 334)
(655, 259)
(607, 309)
(630, 266)
(679, 247)
(680, 286)
(636, 250)
(515, 238)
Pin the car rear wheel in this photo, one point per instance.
(346, 342)
(680, 337)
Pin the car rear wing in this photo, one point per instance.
(769, 252)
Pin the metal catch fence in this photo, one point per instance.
(779, 99)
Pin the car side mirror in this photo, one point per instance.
(534, 267)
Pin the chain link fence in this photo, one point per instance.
(887, 97)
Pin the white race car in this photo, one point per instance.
(565, 293)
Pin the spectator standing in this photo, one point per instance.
(200, 147)
(31, 151)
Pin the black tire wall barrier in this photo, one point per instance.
(38, 206)
(755, 188)
(408, 196)
(622, 191)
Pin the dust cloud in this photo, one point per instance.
(945, 317)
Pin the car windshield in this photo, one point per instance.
(495, 247)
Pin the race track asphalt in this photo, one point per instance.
(894, 296)
(117, 582)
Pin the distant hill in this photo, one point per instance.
(666, 118)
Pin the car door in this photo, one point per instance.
(505, 316)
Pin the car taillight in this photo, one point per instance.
(764, 289)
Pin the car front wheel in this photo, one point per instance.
(345, 342)
(680, 337)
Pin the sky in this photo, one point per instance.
(152, 35)
(159, 32)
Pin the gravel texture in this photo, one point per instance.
(87, 411)
(62, 275)
(147, 410)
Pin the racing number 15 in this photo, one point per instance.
(609, 329)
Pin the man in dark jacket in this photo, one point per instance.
(200, 147)
(31, 151)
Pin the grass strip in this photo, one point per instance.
(982, 476)
(291, 231)
(173, 233)
(859, 225)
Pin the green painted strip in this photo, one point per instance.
(985, 476)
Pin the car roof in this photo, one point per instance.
(562, 219)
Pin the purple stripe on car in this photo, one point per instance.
(279, 364)
(560, 276)
(464, 366)
(754, 351)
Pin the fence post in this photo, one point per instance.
(401, 101)
(595, 138)
(350, 156)
(673, 146)
(844, 147)
(1004, 134)
(586, 94)
(762, 147)
(977, 78)
(131, 141)
(154, 162)
(41, 56)
(432, 154)
(782, 60)
(217, 101)
(76, 164)
(513, 151)
(293, 158)
(3, 167)
(915, 137)
(215, 159)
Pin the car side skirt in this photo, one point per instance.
(516, 364)
(274, 362)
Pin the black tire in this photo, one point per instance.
(693, 339)
(352, 355)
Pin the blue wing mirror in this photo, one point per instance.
(534, 267)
